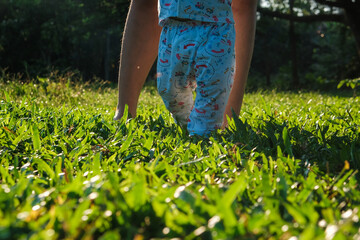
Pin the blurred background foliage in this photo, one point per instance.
(37, 36)
(308, 44)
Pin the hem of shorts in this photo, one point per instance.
(187, 21)
(203, 133)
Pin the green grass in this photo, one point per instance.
(286, 169)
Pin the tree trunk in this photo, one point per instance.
(353, 20)
(293, 49)
(107, 56)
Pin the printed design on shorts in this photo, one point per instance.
(174, 105)
(202, 59)
(184, 51)
(183, 30)
(165, 56)
(231, 71)
(205, 69)
(186, 47)
(210, 102)
(220, 45)
(185, 81)
(183, 55)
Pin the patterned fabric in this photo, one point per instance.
(196, 55)
(199, 10)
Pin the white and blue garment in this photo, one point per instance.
(218, 11)
(196, 54)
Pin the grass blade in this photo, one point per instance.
(36, 137)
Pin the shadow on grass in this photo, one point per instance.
(328, 150)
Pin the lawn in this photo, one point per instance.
(287, 168)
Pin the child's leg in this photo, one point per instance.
(215, 62)
(176, 80)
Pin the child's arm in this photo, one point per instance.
(138, 53)
(244, 12)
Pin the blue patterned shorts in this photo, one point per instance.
(200, 57)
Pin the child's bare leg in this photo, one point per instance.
(244, 12)
(138, 53)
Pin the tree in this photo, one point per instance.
(342, 11)
(292, 35)
(65, 35)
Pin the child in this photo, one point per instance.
(196, 52)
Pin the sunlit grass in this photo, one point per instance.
(287, 167)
